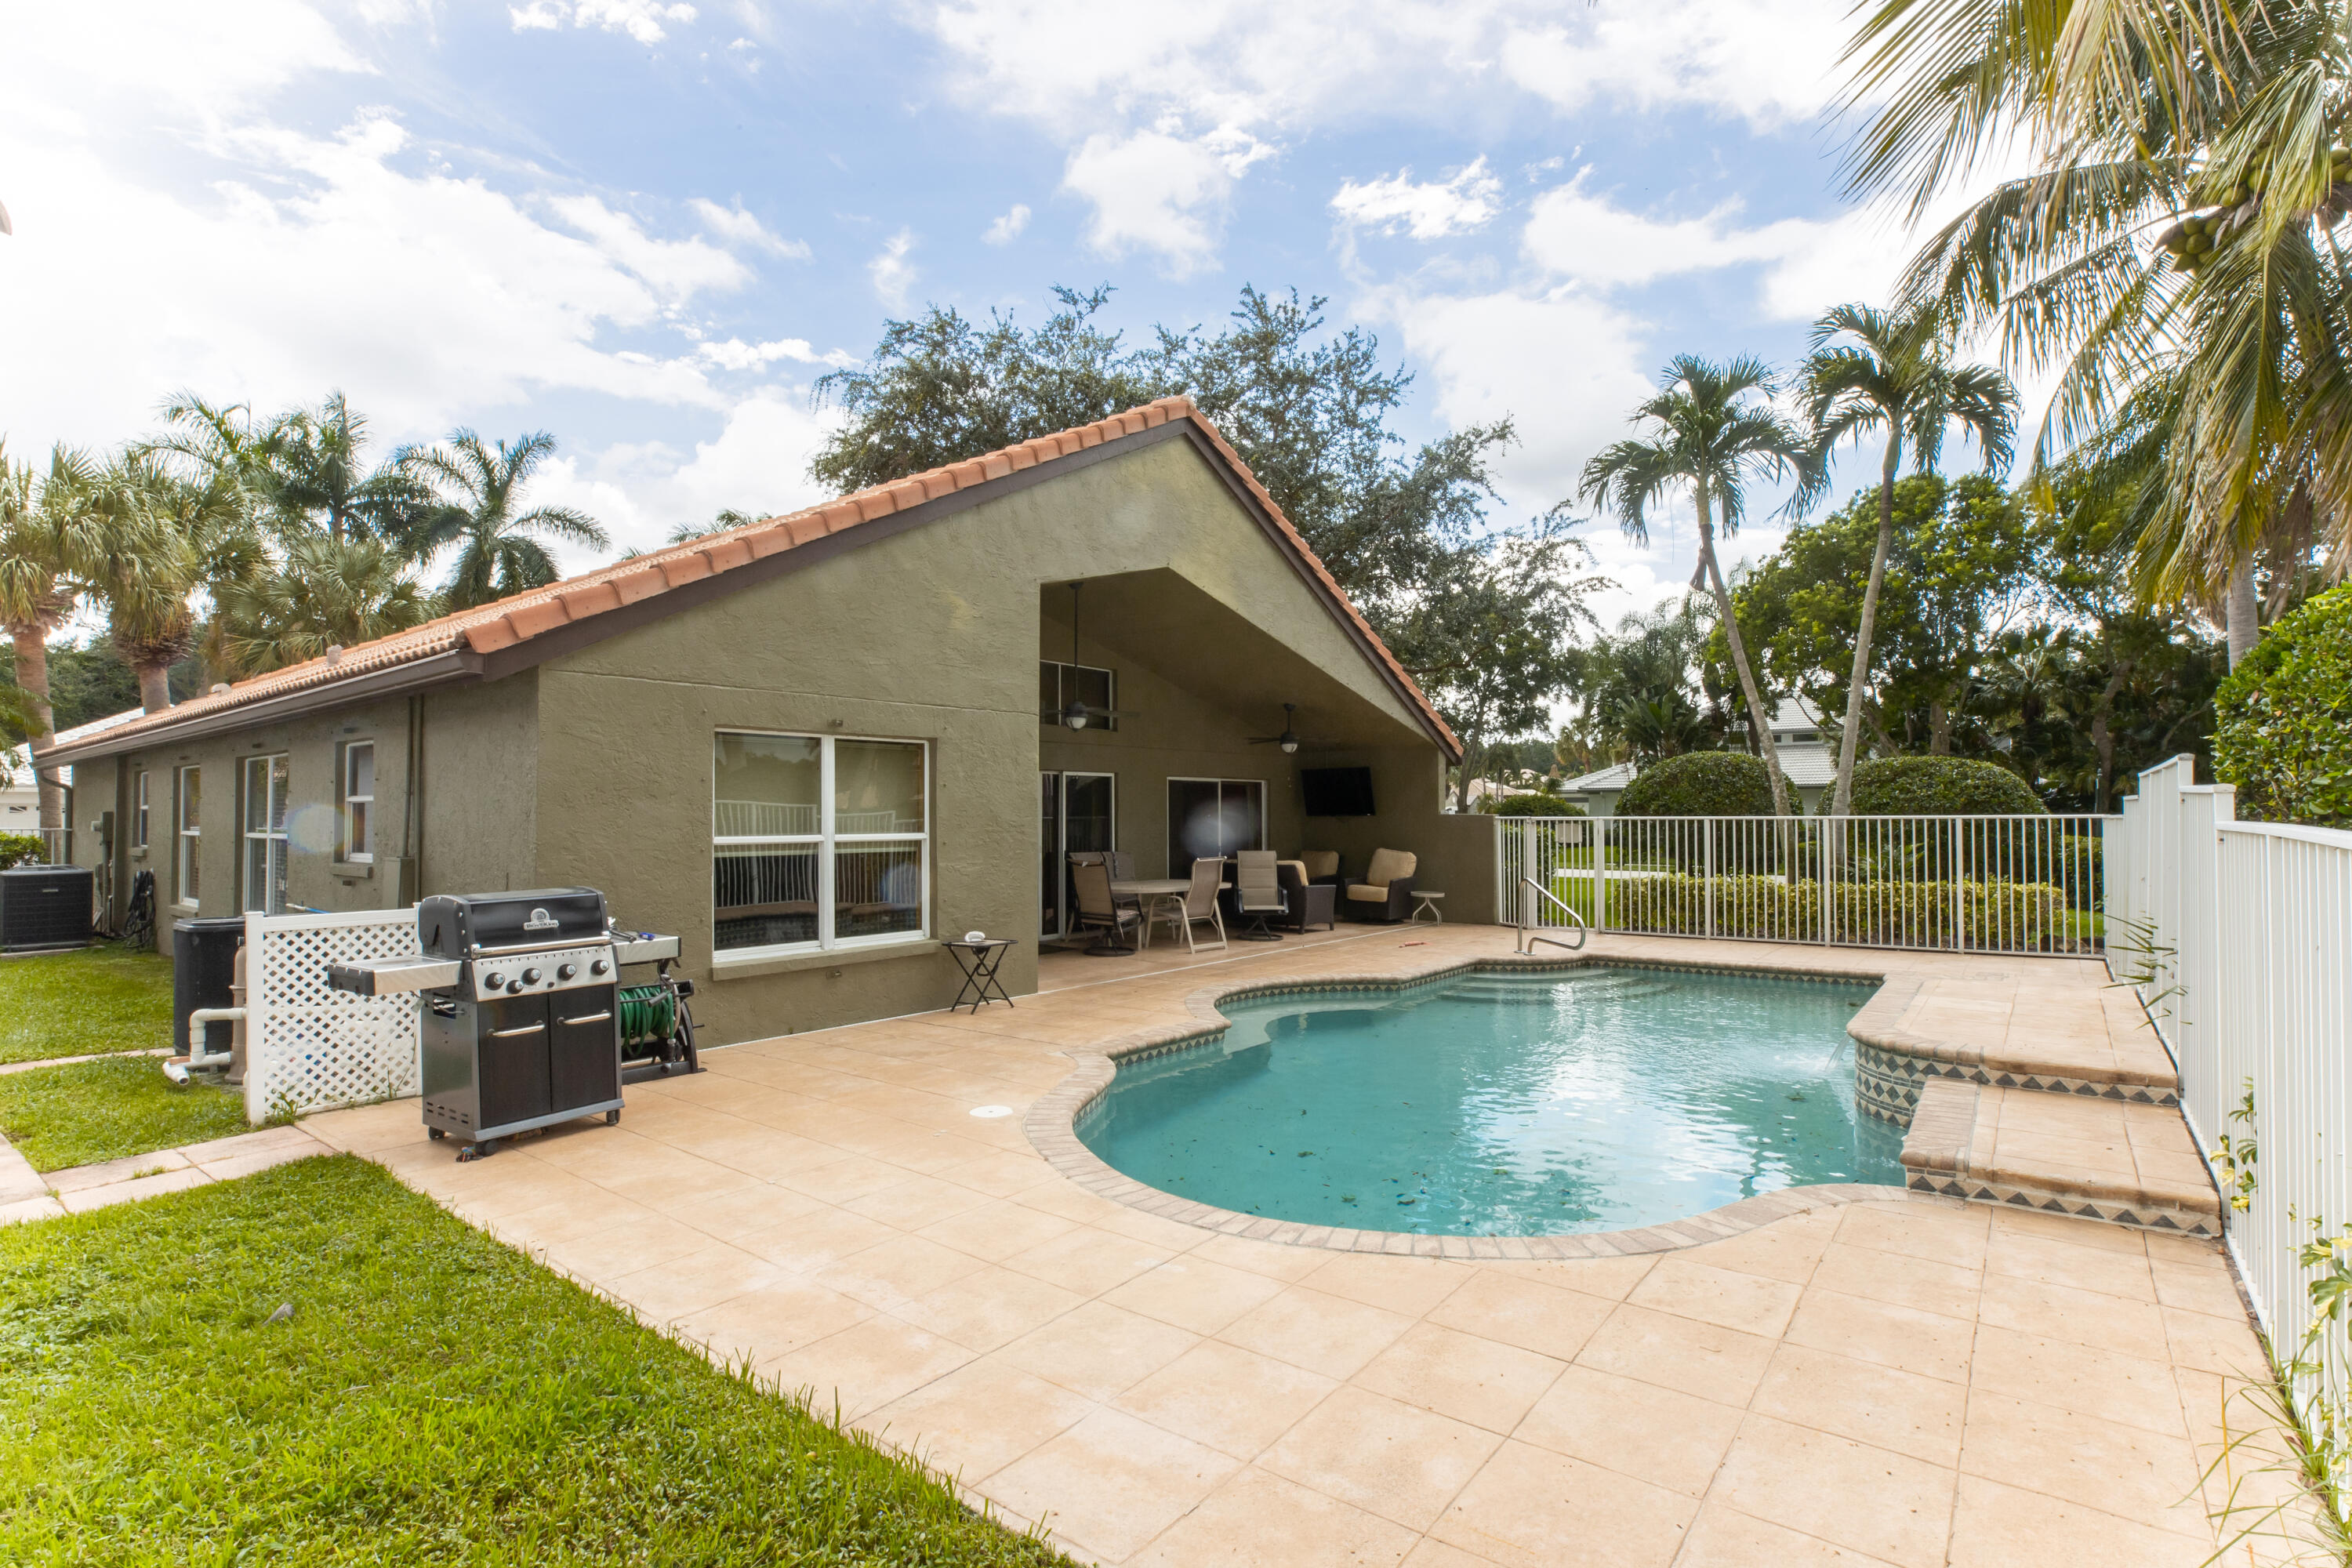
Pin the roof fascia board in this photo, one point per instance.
(578, 635)
(439, 669)
(1330, 601)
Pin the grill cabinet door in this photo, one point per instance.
(586, 1046)
(516, 1085)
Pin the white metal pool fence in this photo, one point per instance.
(2238, 936)
(1954, 884)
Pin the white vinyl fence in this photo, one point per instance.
(309, 1047)
(2239, 938)
(1965, 884)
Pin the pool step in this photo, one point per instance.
(2093, 1159)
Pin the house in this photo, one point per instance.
(813, 745)
(1806, 761)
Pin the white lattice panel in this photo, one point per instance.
(309, 1047)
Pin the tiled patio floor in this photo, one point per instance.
(1909, 1381)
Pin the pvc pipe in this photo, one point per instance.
(199, 1059)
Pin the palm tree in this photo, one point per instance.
(2213, 130)
(44, 552)
(327, 592)
(496, 553)
(315, 468)
(1872, 369)
(165, 536)
(1711, 432)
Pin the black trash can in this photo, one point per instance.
(44, 906)
(203, 968)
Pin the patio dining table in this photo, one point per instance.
(1146, 892)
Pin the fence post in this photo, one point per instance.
(1959, 889)
(1601, 873)
(1829, 826)
(1706, 863)
(1527, 869)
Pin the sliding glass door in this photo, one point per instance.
(1077, 811)
(1213, 817)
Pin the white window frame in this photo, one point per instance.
(264, 834)
(828, 843)
(138, 812)
(187, 833)
(351, 855)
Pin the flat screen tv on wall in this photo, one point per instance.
(1337, 792)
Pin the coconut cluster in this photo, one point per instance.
(2197, 235)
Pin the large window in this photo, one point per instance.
(265, 835)
(1213, 817)
(358, 787)
(1059, 685)
(138, 812)
(817, 841)
(190, 836)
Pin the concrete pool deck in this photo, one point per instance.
(1872, 1376)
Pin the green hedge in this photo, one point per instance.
(2283, 720)
(1531, 805)
(1940, 786)
(2008, 914)
(21, 849)
(1700, 784)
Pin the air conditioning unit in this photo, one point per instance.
(44, 906)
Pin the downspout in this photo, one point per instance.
(412, 823)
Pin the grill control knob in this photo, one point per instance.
(514, 987)
(531, 977)
(566, 971)
(598, 967)
(493, 980)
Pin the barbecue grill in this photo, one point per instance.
(519, 1027)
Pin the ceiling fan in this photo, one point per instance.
(1290, 740)
(1075, 714)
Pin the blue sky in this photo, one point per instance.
(646, 226)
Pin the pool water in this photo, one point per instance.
(1505, 1105)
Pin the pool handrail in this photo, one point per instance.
(1527, 942)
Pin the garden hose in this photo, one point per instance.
(648, 1014)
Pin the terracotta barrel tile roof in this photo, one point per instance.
(489, 628)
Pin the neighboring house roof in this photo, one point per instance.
(1804, 764)
(457, 645)
(18, 759)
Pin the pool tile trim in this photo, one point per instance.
(1053, 1122)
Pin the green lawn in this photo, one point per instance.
(81, 1002)
(89, 1111)
(436, 1397)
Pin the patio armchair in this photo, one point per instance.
(1098, 911)
(1320, 866)
(1385, 895)
(1199, 904)
(1307, 903)
(1258, 893)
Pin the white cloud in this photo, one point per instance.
(640, 19)
(1425, 211)
(1007, 228)
(736, 354)
(673, 268)
(736, 227)
(1161, 191)
(894, 276)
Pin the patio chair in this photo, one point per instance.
(1257, 894)
(1098, 911)
(1121, 867)
(1385, 895)
(1199, 904)
(1307, 903)
(1320, 866)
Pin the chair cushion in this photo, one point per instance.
(1367, 894)
(1388, 866)
(1297, 867)
(1319, 862)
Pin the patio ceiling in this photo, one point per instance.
(1164, 622)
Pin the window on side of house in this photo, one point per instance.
(1059, 685)
(818, 842)
(1213, 817)
(139, 811)
(189, 835)
(263, 891)
(358, 789)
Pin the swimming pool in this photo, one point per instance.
(1491, 1104)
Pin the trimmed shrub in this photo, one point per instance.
(1700, 784)
(2029, 915)
(2283, 720)
(21, 849)
(1531, 805)
(1940, 786)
